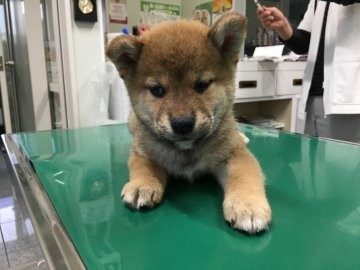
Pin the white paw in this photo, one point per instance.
(140, 194)
(244, 138)
(249, 215)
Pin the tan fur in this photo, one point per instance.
(177, 56)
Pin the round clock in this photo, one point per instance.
(85, 6)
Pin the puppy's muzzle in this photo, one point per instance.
(182, 125)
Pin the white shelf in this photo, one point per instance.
(270, 90)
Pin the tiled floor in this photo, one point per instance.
(18, 244)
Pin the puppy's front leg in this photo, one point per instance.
(245, 205)
(147, 183)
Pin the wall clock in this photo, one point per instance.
(85, 10)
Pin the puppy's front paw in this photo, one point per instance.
(251, 215)
(139, 194)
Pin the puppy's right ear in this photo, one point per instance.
(124, 51)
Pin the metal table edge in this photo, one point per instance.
(58, 249)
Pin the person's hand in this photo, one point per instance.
(273, 18)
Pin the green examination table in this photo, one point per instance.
(71, 180)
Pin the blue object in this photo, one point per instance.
(125, 31)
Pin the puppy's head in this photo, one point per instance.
(180, 76)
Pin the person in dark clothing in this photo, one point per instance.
(331, 88)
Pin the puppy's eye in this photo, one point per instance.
(157, 90)
(202, 86)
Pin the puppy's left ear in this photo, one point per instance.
(228, 34)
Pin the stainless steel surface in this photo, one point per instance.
(19, 54)
(7, 41)
(54, 64)
(58, 249)
(9, 64)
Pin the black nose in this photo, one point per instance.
(182, 125)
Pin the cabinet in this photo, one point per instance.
(289, 78)
(254, 79)
(271, 90)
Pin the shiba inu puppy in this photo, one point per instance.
(180, 79)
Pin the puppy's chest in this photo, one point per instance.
(185, 163)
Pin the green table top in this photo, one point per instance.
(313, 187)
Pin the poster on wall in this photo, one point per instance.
(118, 11)
(153, 12)
(219, 7)
(203, 13)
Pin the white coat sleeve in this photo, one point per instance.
(307, 22)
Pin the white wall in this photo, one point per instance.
(89, 43)
(187, 8)
(82, 49)
(133, 10)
